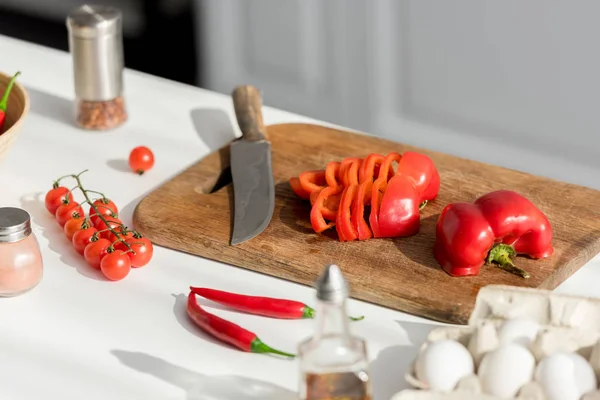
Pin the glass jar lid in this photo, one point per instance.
(15, 224)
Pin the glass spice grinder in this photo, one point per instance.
(96, 46)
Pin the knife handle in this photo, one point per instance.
(247, 103)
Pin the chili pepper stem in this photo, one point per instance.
(257, 346)
(4, 100)
(309, 312)
(501, 255)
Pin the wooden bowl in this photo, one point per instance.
(16, 111)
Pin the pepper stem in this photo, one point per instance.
(501, 255)
(257, 346)
(422, 205)
(4, 100)
(309, 312)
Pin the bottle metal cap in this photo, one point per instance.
(15, 224)
(331, 285)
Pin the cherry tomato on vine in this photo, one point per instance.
(56, 197)
(73, 225)
(143, 251)
(141, 159)
(112, 238)
(114, 223)
(82, 238)
(95, 252)
(67, 211)
(105, 207)
(116, 265)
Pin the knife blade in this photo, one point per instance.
(251, 168)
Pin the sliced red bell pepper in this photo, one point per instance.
(399, 209)
(317, 217)
(368, 168)
(312, 180)
(386, 170)
(363, 196)
(349, 165)
(344, 227)
(298, 189)
(330, 206)
(494, 227)
(395, 205)
(423, 172)
(332, 174)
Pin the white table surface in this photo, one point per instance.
(79, 336)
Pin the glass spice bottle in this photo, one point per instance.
(21, 265)
(333, 363)
(96, 46)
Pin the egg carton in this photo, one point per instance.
(567, 323)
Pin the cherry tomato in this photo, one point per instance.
(114, 223)
(116, 265)
(143, 251)
(72, 226)
(67, 211)
(95, 252)
(105, 207)
(112, 238)
(82, 238)
(141, 159)
(56, 197)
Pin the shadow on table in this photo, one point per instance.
(213, 126)
(33, 203)
(51, 106)
(388, 369)
(203, 387)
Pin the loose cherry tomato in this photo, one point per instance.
(105, 207)
(82, 238)
(95, 252)
(116, 265)
(72, 226)
(56, 197)
(114, 223)
(67, 211)
(141, 159)
(143, 251)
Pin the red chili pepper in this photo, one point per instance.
(265, 306)
(494, 227)
(227, 331)
(4, 100)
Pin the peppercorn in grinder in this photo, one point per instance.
(96, 46)
(333, 363)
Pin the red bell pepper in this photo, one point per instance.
(317, 217)
(493, 228)
(397, 211)
(298, 189)
(345, 228)
(4, 100)
(312, 180)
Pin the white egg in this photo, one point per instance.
(565, 376)
(519, 330)
(442, 364)
(504, 370)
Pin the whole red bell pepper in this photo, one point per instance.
(4, 100)
(493, 228)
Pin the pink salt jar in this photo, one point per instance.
(21, 266)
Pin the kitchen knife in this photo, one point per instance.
(251, 168)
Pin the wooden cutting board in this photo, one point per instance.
(400, 273)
